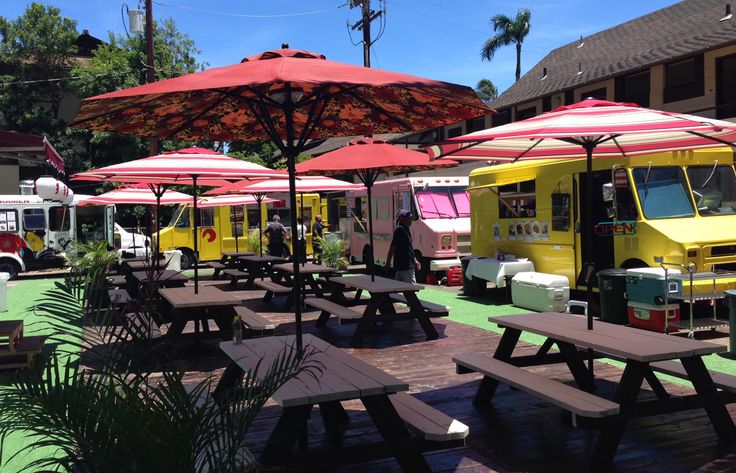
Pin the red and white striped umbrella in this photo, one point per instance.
(611, 129)
(180, 167)
(304, 185)
(137, 195)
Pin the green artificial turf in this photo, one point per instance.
(21, 296)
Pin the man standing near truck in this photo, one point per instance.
(276, 234)
(402, 250)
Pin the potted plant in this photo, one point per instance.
(333, 252)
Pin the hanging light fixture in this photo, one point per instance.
(135, 21)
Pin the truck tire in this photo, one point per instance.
(9, 266)
(187, 258)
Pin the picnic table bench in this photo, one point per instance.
(254, 322)
(17, 350)
(642, 352)
(344, 314)
(434, 310)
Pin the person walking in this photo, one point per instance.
(276, 234)
(301, 234)
(317, 236)
(401, 250)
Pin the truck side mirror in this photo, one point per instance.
(609, 193)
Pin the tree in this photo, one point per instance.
(508, 31)
(486, 90)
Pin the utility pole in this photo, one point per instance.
(150, 67)
(364, 25)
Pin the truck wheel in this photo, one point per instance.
(187, 258)
(9, 266)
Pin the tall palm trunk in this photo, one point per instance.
(518, 61)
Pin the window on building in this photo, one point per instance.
(525, 113)
(59, 219)
(599, 94)
(453, 132)
(684, 79)
(502, 117)
(633, 88)
(517, 200)
(546, 104)
(475, 124)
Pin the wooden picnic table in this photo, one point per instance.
(237, 254)
(165, 277)
(209, 303)
(259, 266)
(341, 377)
(639, 350)
(308, 272)
(228, 260)
(380, 307)
(12, 330)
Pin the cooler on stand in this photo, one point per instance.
(657, 318)
(539, 291)
(649, 285)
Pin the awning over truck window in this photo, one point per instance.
(36, 148)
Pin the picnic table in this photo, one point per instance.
(643, 353)
(380, 305)
(16, 350)
(164, 277)
(309, 273)
(342, 377)
(209, 303)
(258, 266)
(229, 260)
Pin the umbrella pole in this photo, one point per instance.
(290, 159)
(301, 214)
(371, 258)
(196, 235)
(589, 266)
(236, 230)
(259, 200)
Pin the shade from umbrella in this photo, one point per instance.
(287, 96)
(191, 166)
(590, 128)
(368, 158)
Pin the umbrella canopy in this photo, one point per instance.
(304, 185)
(221, 200)
(137, 195)
(32, 145)
(369, 157)
(287, 96)
(186, 166)
(588, 129)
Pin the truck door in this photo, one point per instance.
(60, 227)
(210, 234)
(603, 243)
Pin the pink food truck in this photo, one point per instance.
(440, 230)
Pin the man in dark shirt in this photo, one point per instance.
(276, 234)
(317, 235)
(402, 250)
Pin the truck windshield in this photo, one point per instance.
(663, 192)
(442, 202)
(714, 189)
(175, 221)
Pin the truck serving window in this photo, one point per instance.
(59, 219)
(714, 189)
(662, 192)
(34, 219)
(518, 200)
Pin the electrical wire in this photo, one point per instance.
(60, 79)
(242, 15)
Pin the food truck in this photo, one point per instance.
(440, 230)
(678, 205)
(36, 229)
(219, 225)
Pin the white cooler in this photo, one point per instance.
(539, 291)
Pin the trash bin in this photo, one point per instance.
(472, 286)
(4, 291)
(612, 287)
(731, 298)
(173, 259)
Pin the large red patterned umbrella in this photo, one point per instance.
(287, 96)
(368, 158)
(191, 166)
(590, 129)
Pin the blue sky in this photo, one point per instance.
(438, 39)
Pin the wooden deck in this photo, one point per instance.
(519, 433)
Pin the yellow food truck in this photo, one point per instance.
(218, 226)
(677, 205)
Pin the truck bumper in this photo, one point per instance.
(443, 264)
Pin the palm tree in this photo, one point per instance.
(486, 90)
(508, 31)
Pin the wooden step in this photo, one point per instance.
(555, 392)
(333, 308)
(274, 287)
(427, 421)
(435, 309)
(724, 381)
(253, 321)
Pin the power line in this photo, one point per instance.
(243, 15)
(457, 25)
(59, 79)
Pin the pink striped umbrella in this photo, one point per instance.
(590, 129)
(191, 166)
(137, 195)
